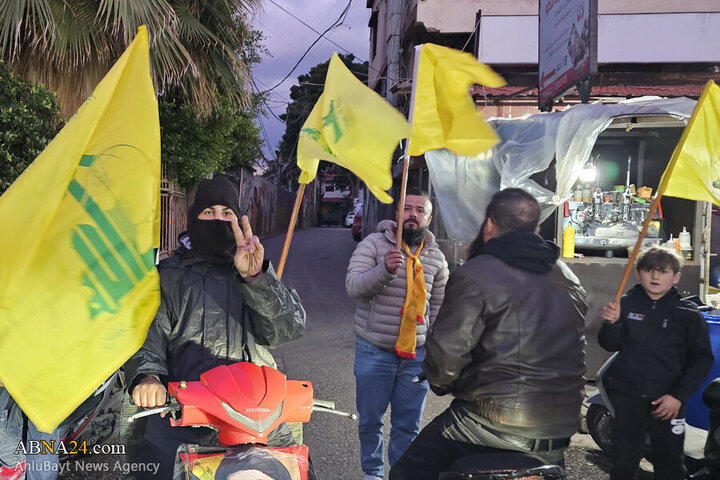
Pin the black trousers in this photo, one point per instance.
(634, 423)
(454, 434)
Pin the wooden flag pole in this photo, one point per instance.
(291, 229)
(636, 250)
(406, 157)
(401, 202)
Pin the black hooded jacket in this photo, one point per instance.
(509, 338)
(209, 316)
(664, 346)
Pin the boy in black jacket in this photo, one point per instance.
(664, 357)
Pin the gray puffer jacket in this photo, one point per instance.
(382, 294)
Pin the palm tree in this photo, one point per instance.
(69, 45)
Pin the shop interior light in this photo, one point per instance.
(588, 174)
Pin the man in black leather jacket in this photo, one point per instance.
(221, 303)
(508, 344)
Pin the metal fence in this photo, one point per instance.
(268, 207)
(173, 203)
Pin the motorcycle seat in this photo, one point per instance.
(500, 462)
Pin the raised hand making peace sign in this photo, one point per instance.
(250, 252)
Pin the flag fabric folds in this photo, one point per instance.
(694, 169)
(78, 284)
(444, 114)
(354, 127)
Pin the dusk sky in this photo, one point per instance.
(287, 39)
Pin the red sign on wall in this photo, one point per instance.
(565, 43)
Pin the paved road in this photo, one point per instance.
(316, 269)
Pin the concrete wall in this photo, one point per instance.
(378, 63)
(270, 207)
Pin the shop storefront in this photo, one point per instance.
(594, 168)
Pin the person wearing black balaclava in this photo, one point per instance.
(221, 303)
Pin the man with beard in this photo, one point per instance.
(508, 344)
(220, 303)
(400, 290)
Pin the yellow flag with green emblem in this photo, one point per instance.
(444, 114)
(694, 169)
(354, 127)
(78, 284)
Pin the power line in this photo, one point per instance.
(337, 23)
(261, 95)
(322, 35)
(267, 140)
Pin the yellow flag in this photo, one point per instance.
(78, 285)
(694, 169)
(354, 127)
(444, 114)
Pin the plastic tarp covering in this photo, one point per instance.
(463, 186)
(528, 145)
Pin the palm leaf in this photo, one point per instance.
(69, 45)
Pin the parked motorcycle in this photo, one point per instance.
(499, 465)
(244, 402)
(96, 421)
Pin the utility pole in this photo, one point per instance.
(374, 211)
(394, 47)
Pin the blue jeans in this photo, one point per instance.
(381, 379)
(42, 467)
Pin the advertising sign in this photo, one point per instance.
(564, 56)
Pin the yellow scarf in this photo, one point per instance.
(414, 307)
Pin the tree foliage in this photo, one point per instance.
(70, 45)
(193, 146)
(284, 170)
(29, 119)
(224, 139)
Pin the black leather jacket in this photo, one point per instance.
(209, 317)
(510, 343)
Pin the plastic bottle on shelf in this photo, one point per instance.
(685, 245)
(568, 242)
(685, 240)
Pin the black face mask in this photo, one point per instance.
(214, 240)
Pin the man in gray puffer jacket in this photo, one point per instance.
(400, 293)
(508, 344)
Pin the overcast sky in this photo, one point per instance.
(287, 39)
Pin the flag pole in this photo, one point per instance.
(661, 188)
(291, 229)
(401, 202)
(636, 250)
(406, 157)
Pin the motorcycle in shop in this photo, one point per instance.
(96, 421)
(244, 402)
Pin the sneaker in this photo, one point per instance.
(373, 477)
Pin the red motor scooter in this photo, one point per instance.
(244, 402)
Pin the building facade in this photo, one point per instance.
(644, 47)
